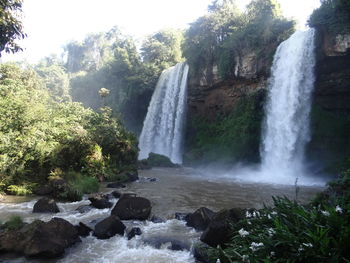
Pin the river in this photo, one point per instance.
(171, 190)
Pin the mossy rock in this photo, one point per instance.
(158, 160)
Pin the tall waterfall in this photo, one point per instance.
(286, 127)
(162, 130)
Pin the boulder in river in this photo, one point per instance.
(135, 231)
(40, 239)
(45, 205)
(116, 185)
(218, 230)
(109, 227)
(157, 219)
(83, 230)
(200, 219)
(100, 201)
(129, 208)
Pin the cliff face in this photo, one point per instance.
(224, 116)
(330, 120)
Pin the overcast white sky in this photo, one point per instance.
(50, 24)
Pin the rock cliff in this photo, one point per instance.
(330, 120)
(224, 115)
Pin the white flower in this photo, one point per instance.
(272, 253)
(248, 215)
(245, 258)
(243, 233)
(255, 246)
(249, 223)
(338, 209)
(274, 213)
(307, 245)
(268, 216)
(325, 213)
(218, 261)
(271, 232)
(300, 249)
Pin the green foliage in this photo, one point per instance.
(163, 49)
(56, 80)
(158, 160)
(129, 77)
(289, 232)
(20, 189)
(78, 185)
(11, 27)
(333, 15)
(14, 223)
(226, 33)
(38, 135)
(235, 137)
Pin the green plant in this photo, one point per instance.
(20, 189)
(15, 222)
(78, 185)
(333, 15)
(289, 232)
(232, 137)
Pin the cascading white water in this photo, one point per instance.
(286, 127)
(162, 130)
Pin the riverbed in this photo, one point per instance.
(170, 190)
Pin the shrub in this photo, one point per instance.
(289, 232)
(14, 223)
(19, 189)
(78, 185)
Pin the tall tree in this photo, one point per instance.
(10, 25)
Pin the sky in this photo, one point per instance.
(50, 24)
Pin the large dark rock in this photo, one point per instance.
(135, 231)
(128, 208)
(83, 230)
(158, 160)
(132, 176)
(45, 205)
(40, 239)
(116, 185)
(100, 201)
(200, 219)
(201, 253)
(116, 194)
(218, 230)
(109, 227)
(157, 219)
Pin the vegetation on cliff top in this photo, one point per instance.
(333, 15)
(225, 33)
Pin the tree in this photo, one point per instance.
(163, 49)
(10, 26)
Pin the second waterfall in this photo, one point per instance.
(162, 130)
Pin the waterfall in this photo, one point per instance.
(286, 128)
(162, 130)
